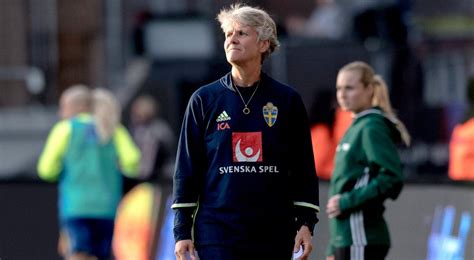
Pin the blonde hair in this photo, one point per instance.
(254, 17)
(106, 112)
(381, 97)
(78, 96)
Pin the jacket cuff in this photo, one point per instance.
(330, 250)
(183, 223)
(306, 217)
(344, 202)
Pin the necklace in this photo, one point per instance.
(246, 109)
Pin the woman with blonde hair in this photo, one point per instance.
(245, 186)
(367, 166)
(86, 152)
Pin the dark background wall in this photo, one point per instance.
(28, 223)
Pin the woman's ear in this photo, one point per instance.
(264, 45)
(371, 87)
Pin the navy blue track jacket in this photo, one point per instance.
(244, 180)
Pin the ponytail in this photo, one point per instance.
(382, 100)
(106, 113)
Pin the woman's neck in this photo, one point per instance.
(245, 78)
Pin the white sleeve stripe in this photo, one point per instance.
(306, 204)
(183, 205)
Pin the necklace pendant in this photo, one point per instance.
(246, 110)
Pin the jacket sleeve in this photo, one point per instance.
(128, 153)
(330, 249)
(304, 181)
(386, 180)
(191, 164)
(50, 163)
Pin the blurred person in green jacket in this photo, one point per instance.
(86, 152)
(367, 167)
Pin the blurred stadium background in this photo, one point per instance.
(168, 48)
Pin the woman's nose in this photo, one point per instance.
(232, 38)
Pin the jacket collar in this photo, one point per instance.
(374, 110)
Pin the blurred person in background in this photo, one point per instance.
(244, 157)
(328, 124)
(367, 167)
(154, 138)
(86, 152)
(461, 145)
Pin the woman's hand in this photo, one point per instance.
(183, 247)
(303, 237)
(332, 208)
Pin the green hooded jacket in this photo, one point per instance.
(367, 171)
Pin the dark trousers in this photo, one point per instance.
(369, 252)
(232, 253)
(92, 236)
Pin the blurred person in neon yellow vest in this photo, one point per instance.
(86, 152)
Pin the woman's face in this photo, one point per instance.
(242, 45)
(351, 94)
